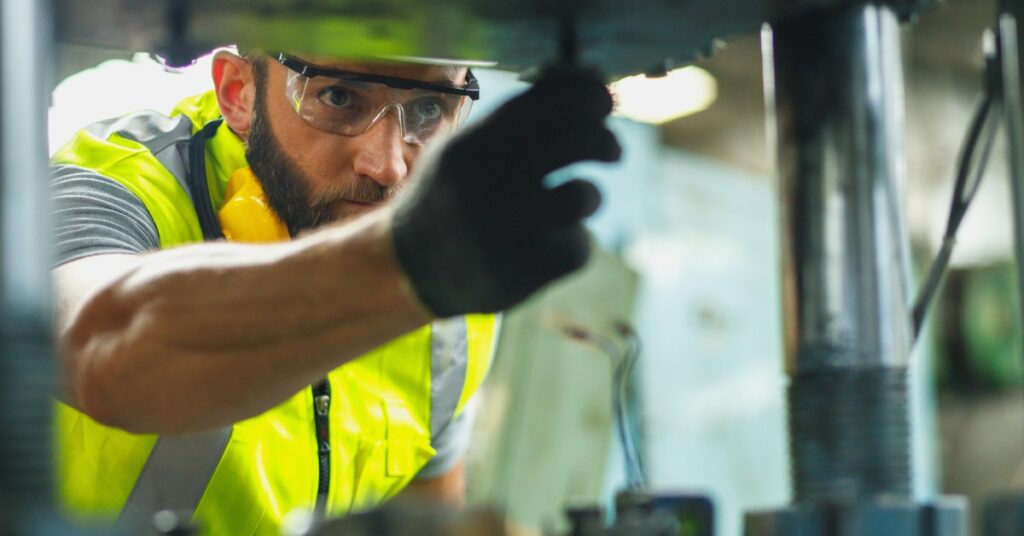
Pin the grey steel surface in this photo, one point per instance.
(25, 41)
(26, 383)
(27, 374)
(945, 516)
(1004, 516)
(835, 84)
(619, 36)
(834, 87)
(1011, 39)
(849, 434)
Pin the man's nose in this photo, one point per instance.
(381, 153)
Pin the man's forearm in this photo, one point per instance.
(201, 336)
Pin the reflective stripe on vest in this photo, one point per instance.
(174, 478)
(165, 137)
(449, 357)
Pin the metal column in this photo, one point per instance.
(1011, 41)
(838, 104)
(1003, 515)
(834, 82)
(26, 354)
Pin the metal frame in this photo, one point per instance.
(27, 371)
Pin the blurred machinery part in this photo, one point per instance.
(689, 515)
(945, 517)
(1004, 515)
(27, 376)
(834, 84)
(978, 335)
(837, 99)
(619, 36)
(622, 363)
(637, 514)
(638, 511)
(548, 413)
(409, 518)
(1011, 39)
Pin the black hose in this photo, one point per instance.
(983, 128)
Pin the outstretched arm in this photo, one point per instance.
(200, 336)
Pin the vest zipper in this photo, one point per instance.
(321, 407)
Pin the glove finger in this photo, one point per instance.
(523, 261)
(569, 202)
(564, 250)
(569, 144)
(559, 95)
(518, 166)
(572, 91)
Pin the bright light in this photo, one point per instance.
(119, 87)
(681, 92)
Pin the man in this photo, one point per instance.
(188, 372)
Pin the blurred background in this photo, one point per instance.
(689, 258)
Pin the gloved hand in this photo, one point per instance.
(478, 231)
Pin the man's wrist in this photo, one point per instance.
(384, 239)
(362, 250)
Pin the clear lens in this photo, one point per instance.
(349, 108)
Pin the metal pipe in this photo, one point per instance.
(1010, 42)
(26, 365)
(26, 60)
(834, 84)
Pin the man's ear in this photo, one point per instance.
(234, 82)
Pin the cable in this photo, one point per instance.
(636, 477)
(966, 185)
(983, 128)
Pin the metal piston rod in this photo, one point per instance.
(834, 83)
(838, 100)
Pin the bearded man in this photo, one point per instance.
(278, 297)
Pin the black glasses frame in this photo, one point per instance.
(471, 89)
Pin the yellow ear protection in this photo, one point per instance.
(246, 216)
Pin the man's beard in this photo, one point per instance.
(287, 187)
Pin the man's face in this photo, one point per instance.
(312, 177)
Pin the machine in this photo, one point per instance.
(834, 92)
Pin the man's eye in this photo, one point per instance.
(335, 96)
(429, 109)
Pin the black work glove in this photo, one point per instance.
(478, 231)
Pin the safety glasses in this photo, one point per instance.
(350, 103)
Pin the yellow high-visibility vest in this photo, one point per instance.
(381, 409)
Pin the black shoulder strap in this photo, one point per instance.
(197, 185)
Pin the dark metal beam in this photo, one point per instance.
(618, 36)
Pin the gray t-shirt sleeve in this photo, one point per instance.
(94, 215)
(450, 443)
